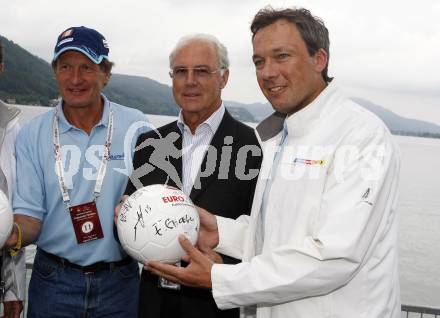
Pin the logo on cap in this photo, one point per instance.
(85, 40)
(66, 34)
(65, 41)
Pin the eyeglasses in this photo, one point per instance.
(199, 72)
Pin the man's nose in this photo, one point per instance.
(190, 78)
(269, 70)
(76, 76)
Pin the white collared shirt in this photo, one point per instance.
(195, 146)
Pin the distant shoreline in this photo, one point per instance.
(30, 111)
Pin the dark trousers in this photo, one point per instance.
(57, 291)
(155, 302)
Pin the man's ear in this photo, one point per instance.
(320, 60)
(107, 78)
(225, 78)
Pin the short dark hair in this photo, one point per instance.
(311, 28)
(1, 52)
(106, 65)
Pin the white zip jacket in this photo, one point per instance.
(330, 224)
(14, 268)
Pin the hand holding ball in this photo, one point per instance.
(151, 220)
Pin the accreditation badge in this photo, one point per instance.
(86, 223)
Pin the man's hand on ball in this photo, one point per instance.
(213, 256)
(208, 235)
(196, 274)
(119, 206)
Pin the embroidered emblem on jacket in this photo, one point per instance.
(308, 162)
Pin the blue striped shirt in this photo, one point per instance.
(195, 146)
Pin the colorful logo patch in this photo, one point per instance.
(308, 162)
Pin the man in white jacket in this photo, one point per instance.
(12, 269)
(321, 240)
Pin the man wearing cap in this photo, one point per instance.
(12, 267)
(70, 176)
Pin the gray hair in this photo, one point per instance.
(222, 52)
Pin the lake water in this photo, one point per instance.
(419, 209)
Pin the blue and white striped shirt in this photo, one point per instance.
(195, 146)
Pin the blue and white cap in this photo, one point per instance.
(87, 41)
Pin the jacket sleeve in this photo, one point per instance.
(14, 268)
(7, 159)
(232, 235)
(14, 271)
(345, 232)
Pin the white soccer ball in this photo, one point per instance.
(151, 220)
(6, 218)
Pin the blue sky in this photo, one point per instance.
(385, 51)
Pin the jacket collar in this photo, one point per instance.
(213, 122)
(226, 127)
(299, 123)
(303, 121)
(7, 114)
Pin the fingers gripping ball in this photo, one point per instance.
(6, 218)
(151, 220)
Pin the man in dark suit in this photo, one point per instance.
(208, 154)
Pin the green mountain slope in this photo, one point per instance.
(142, 93)
(29, 81)
(27, 78)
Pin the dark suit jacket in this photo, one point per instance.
(226, 196)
